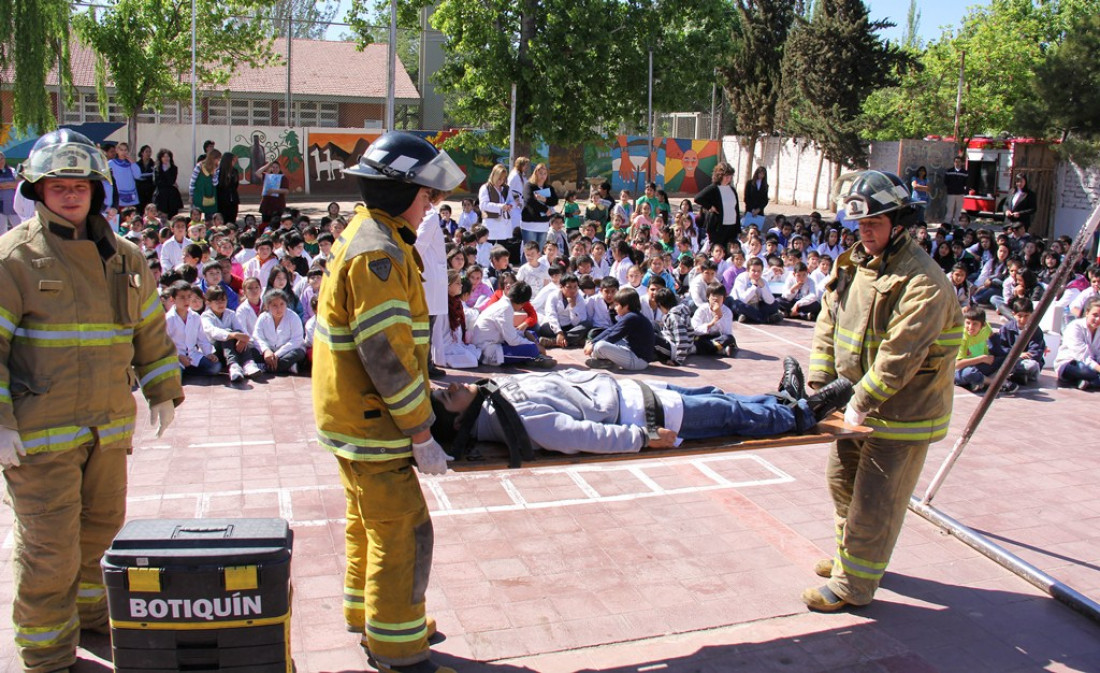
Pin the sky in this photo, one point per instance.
(934, 15)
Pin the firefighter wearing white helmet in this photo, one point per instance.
(79, 315)
(371, 397)
(889, 323)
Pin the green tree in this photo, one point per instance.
(751, 72)
(830, 65)
(912, 27)
(1065, 100)
(34, 39)
(1003, 42)
(143, 49)
(580, 66)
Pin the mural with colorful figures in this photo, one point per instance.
(261, 146)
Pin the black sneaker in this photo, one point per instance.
(543, 362)
(830, 398)
(1009, 387)
(792, 383)
(730, 351)
(599, 363)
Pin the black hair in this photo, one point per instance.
(665, 298)
(609, 282)
(628, 297)
(520, 293)
(215, 293)
(975, 313)
(177, 287)
(1021, 305)
(716, 290)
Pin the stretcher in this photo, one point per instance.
(495, 456)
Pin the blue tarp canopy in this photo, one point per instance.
(97, 132)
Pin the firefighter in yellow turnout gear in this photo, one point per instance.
(80, 325)
(890, 323)
(371, 397)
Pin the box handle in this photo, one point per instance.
(202, 532)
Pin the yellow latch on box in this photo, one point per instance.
(241, 578)
(144, 579)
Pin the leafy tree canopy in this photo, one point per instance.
(1004, 43)
(143, 47)
(34, 39)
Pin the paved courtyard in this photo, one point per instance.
(687, 564)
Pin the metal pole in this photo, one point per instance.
(512, 130)
(1034, 576)
(1080, 244)
(713, 105)
(289, 110)
(391, 66)
(194, 106)
(649, 123)
(959, 95)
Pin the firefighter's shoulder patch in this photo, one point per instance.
(381, 267)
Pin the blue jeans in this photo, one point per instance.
(203, 367)
(517, 355)
(1074, 372)
(710, 412)
(537, 236)
(755, 313)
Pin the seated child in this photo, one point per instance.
(311, 328)
(279, 334)
(231, 343)
(536, 273)
(196, 353)
(629, 342)
(1078, 359)
(601, 306)
(564, 316)
(1026, 369)
(974, 365)
(674, 339)
(457, 351)
(212, 277)
(712, 324)
(752, 300)
(480, 291)
(800, 298)
(963, 288)
(496, 334)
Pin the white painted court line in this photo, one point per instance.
(214, 445)
(774, 336)
(445, 507)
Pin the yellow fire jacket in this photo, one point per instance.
(80, 325)
(370, 350)
(892, 325)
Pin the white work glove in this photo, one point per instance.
(161, 416)
(11, 447)
(430, 457)
(853, 417)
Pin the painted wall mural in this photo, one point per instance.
(260, 146)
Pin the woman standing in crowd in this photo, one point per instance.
(1020, 204)
(720, 206)
(539, 199)
(166, 194)
(921, 192)
(204, 196)
(145, 186)
(275, 187)
(517, 179)
(495, 202)
(756, 197)
(229, 181)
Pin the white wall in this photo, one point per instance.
(1078, 194)
(792, 170)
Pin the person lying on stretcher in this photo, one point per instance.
(575, 411)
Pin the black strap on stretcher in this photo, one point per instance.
(517, 439)
(654, 412)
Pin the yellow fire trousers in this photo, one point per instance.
(389, 543)
(68, 505)
(870, 481)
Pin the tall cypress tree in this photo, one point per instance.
(751, 74)
(831, 64)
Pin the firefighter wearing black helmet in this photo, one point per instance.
(371, 396)
(891, 324)
(79, 315)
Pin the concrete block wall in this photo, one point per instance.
(1078, 194)
(792, 170)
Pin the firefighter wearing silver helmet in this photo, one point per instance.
(371, 397)
(79, 315)
(891, 324)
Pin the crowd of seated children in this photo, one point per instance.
(1078, 359)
